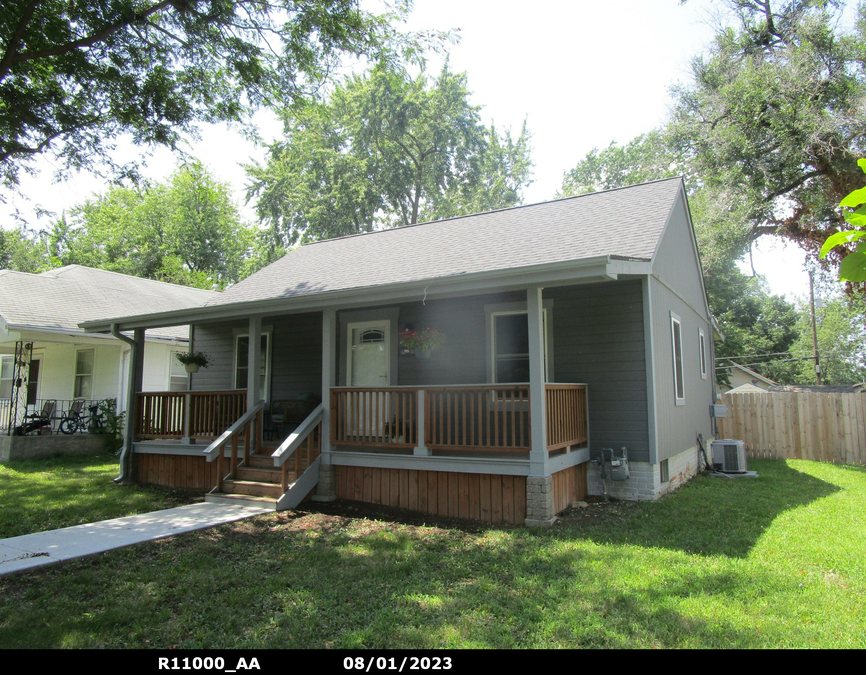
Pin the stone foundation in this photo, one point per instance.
(326, 488)
(644, 483)
(539, 501)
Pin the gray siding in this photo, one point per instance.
(296, 355)
(599, 340)
(678, 425)
(676, 263)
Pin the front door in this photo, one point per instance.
(369, 365)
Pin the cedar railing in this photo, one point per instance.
(382, 416)
(469, 418)
(188, 414)
(566, 415)
(244, 428)
(298, 452)
(489, 418)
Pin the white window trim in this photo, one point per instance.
(702, 352)
(490, 314)
(676, 321)
(239, 333)
(76, 374)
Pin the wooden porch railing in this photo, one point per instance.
(301, 448)
(493, 418)
(188, 414)
(566, 415)
(243, 427)
(467, 418)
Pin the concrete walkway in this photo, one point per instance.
(44, 548)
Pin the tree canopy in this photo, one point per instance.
(185, 231)
(76, 74)
(386, 150)
(775, 115)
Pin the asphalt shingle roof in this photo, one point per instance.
(64, 297)
(626, 222)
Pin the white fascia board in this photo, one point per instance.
(51, 334)
(547, 274)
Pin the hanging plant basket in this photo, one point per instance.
(192, 361)
(191, 367)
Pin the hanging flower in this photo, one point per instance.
(422, 340)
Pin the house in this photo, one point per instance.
(570, 326)
(39, 317)
(740, 375)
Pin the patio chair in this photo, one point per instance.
(39, 420)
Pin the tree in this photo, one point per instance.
(775, 117)
(186, 231)
(76, 74)
(386, 150)
(21, 251)
(853, 266)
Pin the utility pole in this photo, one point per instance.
(814, 330)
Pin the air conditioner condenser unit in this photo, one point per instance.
(729, 456)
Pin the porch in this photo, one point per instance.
(471, 421)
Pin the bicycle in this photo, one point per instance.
(75, 420)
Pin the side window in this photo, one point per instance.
(677, 345)
(6, 372)
(178, 377)
(703, 352)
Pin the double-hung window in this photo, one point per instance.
(508, 343)
(84, 359)
(702, 346)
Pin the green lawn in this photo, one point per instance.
(777, 561)
(48, 494)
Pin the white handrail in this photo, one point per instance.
(211, 451)
(298, 436)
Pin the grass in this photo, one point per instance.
(49, 494)
(777, 561)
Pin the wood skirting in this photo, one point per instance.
(569, 486)
(179, 471)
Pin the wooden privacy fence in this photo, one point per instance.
(798, 425)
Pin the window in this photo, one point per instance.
(178, 377)
(242, 349)
(702, 344)
(664, 472)
(84, 359)
(677, 344)
(508, 343)
(7, 367)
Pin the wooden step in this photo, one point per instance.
(263, 461)
(252, 487)
(262, 475)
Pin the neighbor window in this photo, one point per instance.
(242, 348)
(702, 345)
(84, 359)
(7, 366)
(677, 344)
(178, 377)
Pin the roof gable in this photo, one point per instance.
(627, 223)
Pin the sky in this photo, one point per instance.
(582, 74)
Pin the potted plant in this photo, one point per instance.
(421, 342)
(192, 361)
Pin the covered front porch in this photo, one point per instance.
(500, 431)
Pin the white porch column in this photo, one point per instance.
(326, 490)
(537, 398)
(329, 377)
(254, 362)
(134, 381)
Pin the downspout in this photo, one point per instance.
(127, 443)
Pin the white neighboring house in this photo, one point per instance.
(740, 375)
(39, 316)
